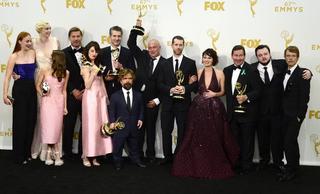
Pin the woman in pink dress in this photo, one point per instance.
(53, 105)
(94, 108)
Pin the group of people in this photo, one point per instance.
(107, 86)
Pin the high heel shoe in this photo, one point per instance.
(86, 162)
(49, 160)
(58, 161)
(95, 162)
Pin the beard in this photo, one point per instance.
(264, 64)
(127, 86)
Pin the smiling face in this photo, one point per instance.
(26, 43)
(92, 53)
(263, 56)
(115, 38)
(177, 46)
(45, 31)
(291, 58)
(153, 48)
(238, 57)
(75, 39)
(207, 61)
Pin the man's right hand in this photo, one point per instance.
(77, 94)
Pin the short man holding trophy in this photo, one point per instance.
(242, 88)
(114, 58)
(175, 93)
(126, 105)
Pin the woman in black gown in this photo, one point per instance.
(209, 149)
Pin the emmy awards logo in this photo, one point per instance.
(316, 143)
(287, 38)
(180, 78)
(214, 37)
(142, 11)
(42, 2)
(5, 29)
(145, 40)
(252, 4)
(179, 6)
(109, 6)
(241, 90)
(318, 68)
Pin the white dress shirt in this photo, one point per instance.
(130, 95)
(287, 76)
(269, 69)
(235, 76)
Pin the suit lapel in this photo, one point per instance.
(292, 78)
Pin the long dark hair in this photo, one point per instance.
(21, 35)
(59, 64)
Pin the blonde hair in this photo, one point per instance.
(40, 25)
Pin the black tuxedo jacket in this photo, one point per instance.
(143, 58)
(75, 79)
(167, 80)
(118, 108)
(125, 58)
(296, 95)
(249, 78)
(270, 102)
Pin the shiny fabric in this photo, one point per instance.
(94, 114)
(209, 149)
(26, 71)
(51, 112)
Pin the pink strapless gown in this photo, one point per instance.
(51, 112)
(94, 114)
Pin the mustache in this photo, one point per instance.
(127, 86)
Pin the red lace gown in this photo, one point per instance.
(209, 149)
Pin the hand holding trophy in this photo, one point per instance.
(241, 90)
(180, 77)
(108, 129)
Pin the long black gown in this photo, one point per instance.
(209, 149)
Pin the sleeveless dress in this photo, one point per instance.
(94, 114)
(209, 149)
(24, 112)
(51, 111)
(44, 61)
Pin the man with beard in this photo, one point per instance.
(126, 105)
(175, 96)
(271, 77)
(75, 90)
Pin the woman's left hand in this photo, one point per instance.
(209, 94)
(65, 111)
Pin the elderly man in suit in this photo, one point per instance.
(126, 104)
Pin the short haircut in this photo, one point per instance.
(292, 49)
(178, 38)
(237, 48)
(115, 28)
(74, 29)
(126, 71)
(261, 46)
(211, 53)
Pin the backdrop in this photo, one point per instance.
(216, 24)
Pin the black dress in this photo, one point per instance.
(209, 149)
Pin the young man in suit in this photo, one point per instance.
(240, 77)
(295, 98)
(114, 58)
(271, 75)
(149, 63)
(126, 104)
(75, 89)
(175, 108)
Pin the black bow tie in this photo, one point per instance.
(288, 72)
(113, 50)
(236, 67)
(77, 50)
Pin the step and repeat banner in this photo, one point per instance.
(203, 24)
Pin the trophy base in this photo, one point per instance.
(113, 73)
(178, 97)
(240, 111)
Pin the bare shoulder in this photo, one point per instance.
(200, 71)
(218, 71)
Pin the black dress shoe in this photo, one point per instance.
(118, 166)
(288, 176)
(151, 160)
(164, 161)
(141, 165)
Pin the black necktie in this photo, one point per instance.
(151, 64)
(236, 67)
(128, 101)
(266, 76)
(77, 50)
(288, 72)
(176, 66)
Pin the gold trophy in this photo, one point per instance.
(241, 90)
(115, 57)
(85, 62)
(316, 141)
(107, 131)
(180, 78)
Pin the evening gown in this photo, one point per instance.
(51, 111)
(94, 115)
(209, 149)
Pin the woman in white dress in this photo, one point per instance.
(43, 46)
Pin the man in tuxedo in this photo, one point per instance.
(75, 89)
(173, 106)
(295, 98)
(126, 104)
(148, 65)
(114, 58)
(271, 75)
(240, 77)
